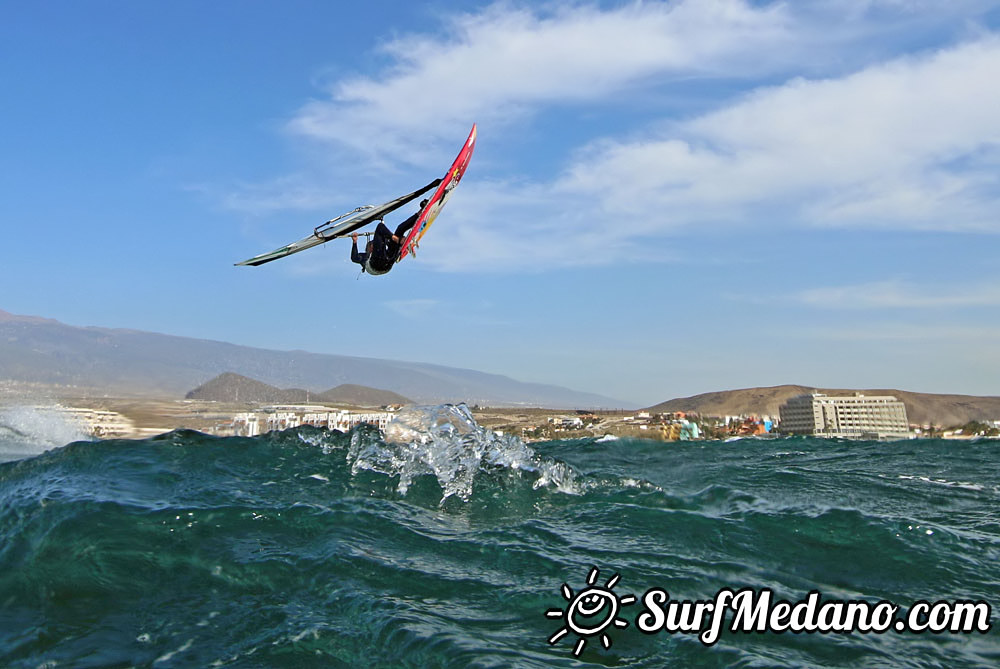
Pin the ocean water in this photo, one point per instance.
(441, 544)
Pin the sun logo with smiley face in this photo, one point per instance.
(590, 612)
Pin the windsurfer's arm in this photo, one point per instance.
(355, 256)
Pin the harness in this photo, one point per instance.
(382, 257)
(367, 267)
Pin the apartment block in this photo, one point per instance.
(856, 416)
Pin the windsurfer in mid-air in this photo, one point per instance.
(382, 251)
(385, 248)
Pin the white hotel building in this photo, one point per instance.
(856, 416)
(251, 424)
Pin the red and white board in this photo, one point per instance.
(440, 196)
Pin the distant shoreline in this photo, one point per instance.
(138, 417)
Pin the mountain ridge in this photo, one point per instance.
(41, 350)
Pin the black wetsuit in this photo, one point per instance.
(384, 251)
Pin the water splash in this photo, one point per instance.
(26, 431)
(445, 441)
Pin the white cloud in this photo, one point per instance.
(505, 62)
(413, 309)
(290, 192)
(980, 338)
(911, 143)
(894, 294)
(499, 64)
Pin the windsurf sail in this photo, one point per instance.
(341, 226)
(440, 196)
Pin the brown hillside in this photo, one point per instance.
(363, 396)
(921, 408)
(230, 387)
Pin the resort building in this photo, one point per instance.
(856, 416)
(251, 424)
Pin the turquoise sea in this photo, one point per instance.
(441, 544)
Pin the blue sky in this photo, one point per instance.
(666, 198)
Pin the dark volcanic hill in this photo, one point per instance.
(230, 387)
(362, 396)
(921, 408)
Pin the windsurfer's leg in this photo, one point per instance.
(405, 226)
(400, 234)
